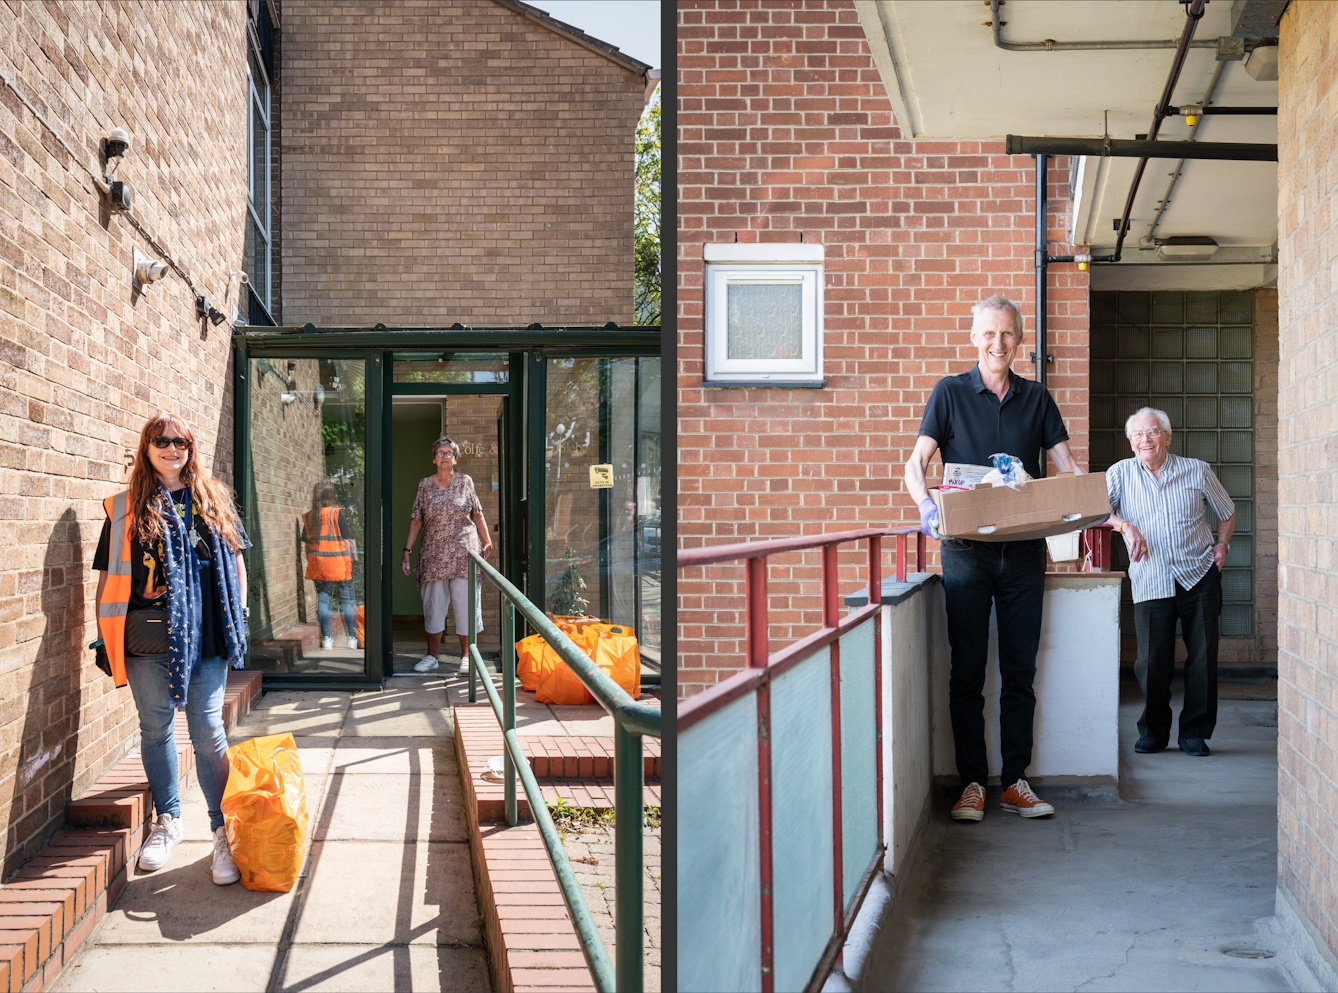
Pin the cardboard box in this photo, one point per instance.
(1040, 508)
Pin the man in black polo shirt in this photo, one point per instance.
(970, 417)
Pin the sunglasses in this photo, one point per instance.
(181, 443)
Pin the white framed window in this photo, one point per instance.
(763, 314)
(258, 240)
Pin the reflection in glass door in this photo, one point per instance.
(602, 492)
(305, 513)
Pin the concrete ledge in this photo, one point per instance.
(893, 592)
(1307, 943)
(51, 905)
(531, 941)
(478, 738)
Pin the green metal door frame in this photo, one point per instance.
(523, 552)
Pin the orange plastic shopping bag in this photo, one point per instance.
(562, 686)
(265, 812)
(615, 650)
(533, 659)
(358, 614)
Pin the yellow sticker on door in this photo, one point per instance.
(601, 477)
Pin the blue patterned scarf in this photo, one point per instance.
(185, 604)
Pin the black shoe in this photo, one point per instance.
(1147, 744)
(1194, 746)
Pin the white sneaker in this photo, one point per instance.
(163, 837)
(327, 643)
(225, 870)
(353, 643)
(426, 664)
(464, 665)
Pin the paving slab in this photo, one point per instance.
(1161, 888)
(396, 723)
(394, 756)
(180, 903)
(358, 968)
(386, 900)
(386, 892)
(393, 808)
(186, 968)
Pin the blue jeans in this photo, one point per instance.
(204, 718)
(323, 590)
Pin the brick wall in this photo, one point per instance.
(452, 162)
(83, 359)
(785, 133)
(1308, 467)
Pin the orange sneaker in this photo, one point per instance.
(1021, 800)
(971, 807)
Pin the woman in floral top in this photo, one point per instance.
(448, 514)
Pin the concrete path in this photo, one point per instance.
(1169, 887)
(387, 898)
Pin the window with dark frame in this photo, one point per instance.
(259, 239)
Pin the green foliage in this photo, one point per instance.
(647, 225)
(566, 597)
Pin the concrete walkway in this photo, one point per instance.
(1169, 887)
(387, 898)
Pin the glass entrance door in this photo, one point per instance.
(601, 492)
(305, 507)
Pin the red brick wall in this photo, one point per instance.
(786, 133)
(83, 358)
(1307, 443)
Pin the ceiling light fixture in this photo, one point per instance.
(1186, 248)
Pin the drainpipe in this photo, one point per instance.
(1193, 12)
(1042, 258)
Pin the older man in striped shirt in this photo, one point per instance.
(1158, 502)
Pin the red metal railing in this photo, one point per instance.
(1094, 548)
(762, 667)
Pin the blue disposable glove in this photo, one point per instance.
(928, 516)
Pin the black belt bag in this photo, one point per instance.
(146, 631)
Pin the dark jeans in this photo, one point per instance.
(1011, 575)
(1198, 610)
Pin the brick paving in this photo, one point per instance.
(591, 850)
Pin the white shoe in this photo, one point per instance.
(464, 665)
(163, 837)
(225, 870)
(426, 664)
(327, 643)
(353, 643)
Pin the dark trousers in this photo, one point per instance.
(1198, 610)
(1011, 575)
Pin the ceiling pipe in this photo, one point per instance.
(1236, 111)
(1233, 151)
(1160, 213)
(1193, 11)
(1050, 45)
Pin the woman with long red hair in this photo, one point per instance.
(172, 614)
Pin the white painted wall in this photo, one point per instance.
(915, 645)
(1077, 687)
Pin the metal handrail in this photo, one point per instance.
(631, 721)
(762, 665)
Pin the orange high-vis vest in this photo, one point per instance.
(327, 552)
(115, 600)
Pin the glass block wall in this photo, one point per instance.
(1191, 355)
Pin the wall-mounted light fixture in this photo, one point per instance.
(114, 147)
(205, 309)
